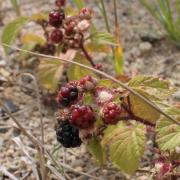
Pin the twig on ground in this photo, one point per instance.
(41, 154)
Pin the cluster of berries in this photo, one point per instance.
(68, 31)
(76, 117)
(64, 32)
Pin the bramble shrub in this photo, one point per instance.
(109, 119)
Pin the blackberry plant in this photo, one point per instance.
(95, 111)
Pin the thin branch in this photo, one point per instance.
(88, 57)
(38, 102)
(103, 74)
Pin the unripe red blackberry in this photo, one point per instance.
(67, 95)
(69, 30)
(68, 135)
(56, 18)
(83, 117)
(85, 13)
(99, 67)
(111, 113)
(88, 82)
(60, 3)
(56, 36)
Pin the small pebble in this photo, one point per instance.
(145, 47)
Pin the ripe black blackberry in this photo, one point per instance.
(68, 135)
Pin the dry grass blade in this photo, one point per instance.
(75, 171)
(4, 171)
(58, 175)
(42, 158)
(104, 75)
(31, 161)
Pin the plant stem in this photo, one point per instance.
(144, 99)
(105, 16)
(176, 163)
(81, 46)
(88, 57)
(115, 14)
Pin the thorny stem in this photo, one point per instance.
(144, 99)
(88, 57)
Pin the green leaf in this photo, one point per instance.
(159, 89)
(107, 83)
(95, 148)
(28, 47)
(103, 38)
(79, 3)
(87, 99)
(30, 38)
(149, 81)
(50, 72)
(142, 109)
(168, 133)
(126, 144)
(39, 16)
(12, 29)
(95, 47)
(76, 72)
